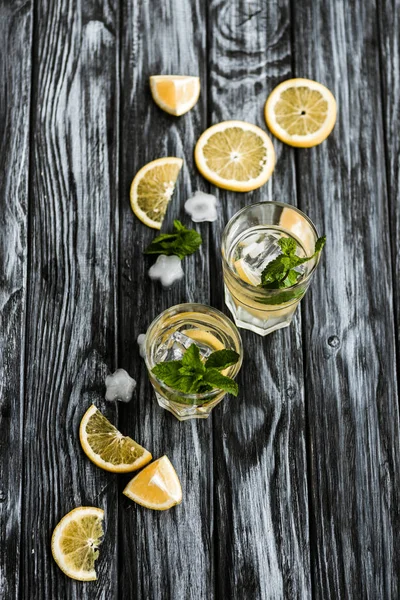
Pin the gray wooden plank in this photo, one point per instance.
(15, 66)
(261, 505)
(167, 555)
(72, 284)
(348, 318)
(389, 36)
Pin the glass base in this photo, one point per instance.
(183, 412)
(261, 326)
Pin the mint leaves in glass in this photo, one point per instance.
(270, 251)
(192, 375)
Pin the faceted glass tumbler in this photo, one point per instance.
(253, 307)
(175, 330)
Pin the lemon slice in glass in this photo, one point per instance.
(152, 189)
(301, 112)
(156, 487)
(175, 94)
(75, 542)
(107, 447)
(235, 155)
(244, 272)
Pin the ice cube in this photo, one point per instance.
(167, 269)
(202, 207)
(259, 253)
(141, 340)
(120, 386)
(176, 345)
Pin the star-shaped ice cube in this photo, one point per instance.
(202, 207)
(120, 386)
(167, 269)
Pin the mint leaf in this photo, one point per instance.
(189, 385)
(283, 297)
(277, 269)
(288, 246)
(291, 278)
(191, 375)
(191, 359)
(168, 372)
(280, 273)
(164, 369)
(221, 359)
(214, 378)
(178, 226)
(182, 242)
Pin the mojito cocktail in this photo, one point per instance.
(270, 251)
(169, 339)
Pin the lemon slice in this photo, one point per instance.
(107, 447)
(244, 273)
(157, 486)
(205, 337)
(301, 112)
(176, 94)
(75, 542)
(235, 155)
(152, 189)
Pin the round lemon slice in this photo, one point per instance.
(156, 487)
(107, 447)
(235, 155)
(75, 542)
(152, 189)
(175, 94)
(301, 112)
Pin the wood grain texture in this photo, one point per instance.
(162, 555)
(305, 462)
(261, 509)
(72, 284)
(15, 69)
(351, 390)
(389, 46)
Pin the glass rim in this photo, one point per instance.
(199, 308)
(248, 286)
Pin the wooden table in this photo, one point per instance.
(292, 489)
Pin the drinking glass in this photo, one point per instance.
(249, 243)
(171, 334)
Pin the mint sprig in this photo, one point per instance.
(182, 242)
(191, 375)
(281, 272)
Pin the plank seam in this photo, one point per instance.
(389, 199)
(214, 562)
(33, 77)
(117, 241)
(311, 521)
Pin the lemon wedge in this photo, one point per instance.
(156, 487)
(175, 94)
